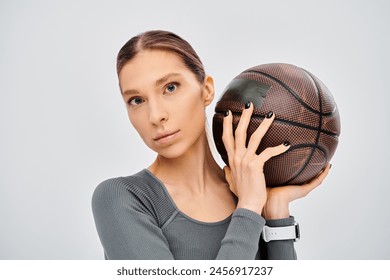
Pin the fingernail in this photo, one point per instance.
(247, 105)
(270, 114)
(286, 143)
(330, 166)
(226, 113)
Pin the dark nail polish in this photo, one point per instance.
(247, 105)
(286, 143)
(270, 114)
(226, 113)
(330, 166)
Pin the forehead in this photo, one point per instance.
(149, 66)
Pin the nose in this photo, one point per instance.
(157, 112)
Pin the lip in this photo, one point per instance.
(165, 137)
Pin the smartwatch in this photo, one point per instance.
(281, 233)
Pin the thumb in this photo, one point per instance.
(228, 177)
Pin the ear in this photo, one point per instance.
(208, 90)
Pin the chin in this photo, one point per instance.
(172, 151)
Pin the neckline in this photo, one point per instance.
(227, 219)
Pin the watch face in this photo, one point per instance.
(297, 232)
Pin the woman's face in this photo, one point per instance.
(165, 102)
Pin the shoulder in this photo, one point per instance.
(140, 192)
(141, 186)
(110, 188)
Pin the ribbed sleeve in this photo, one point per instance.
(241, 241)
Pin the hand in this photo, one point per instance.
(245, 172)
(278, 199)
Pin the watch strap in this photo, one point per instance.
(281, 233)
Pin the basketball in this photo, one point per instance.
(306, 115)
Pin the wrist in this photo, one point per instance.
(276, 208)
(254, 206)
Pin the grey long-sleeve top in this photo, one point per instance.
(136, 218)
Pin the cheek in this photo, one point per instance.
(138, 123)
(194, 112)
(192, 101)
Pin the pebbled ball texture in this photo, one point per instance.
(306, 116)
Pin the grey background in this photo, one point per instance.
(64, 127)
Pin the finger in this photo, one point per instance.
(227, 134)
(242, 127)
(259, 133)
(273, 151)
(311, 185)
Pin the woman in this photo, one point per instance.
(184, 206)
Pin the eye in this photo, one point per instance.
(171, 87)
(134, 101)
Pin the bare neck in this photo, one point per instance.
(195, 169)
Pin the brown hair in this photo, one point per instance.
(162, 40)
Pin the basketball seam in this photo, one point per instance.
(289, 122)
(313, 146)
(318, 91)
(290, 91)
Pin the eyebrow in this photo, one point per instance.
(158, 82)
